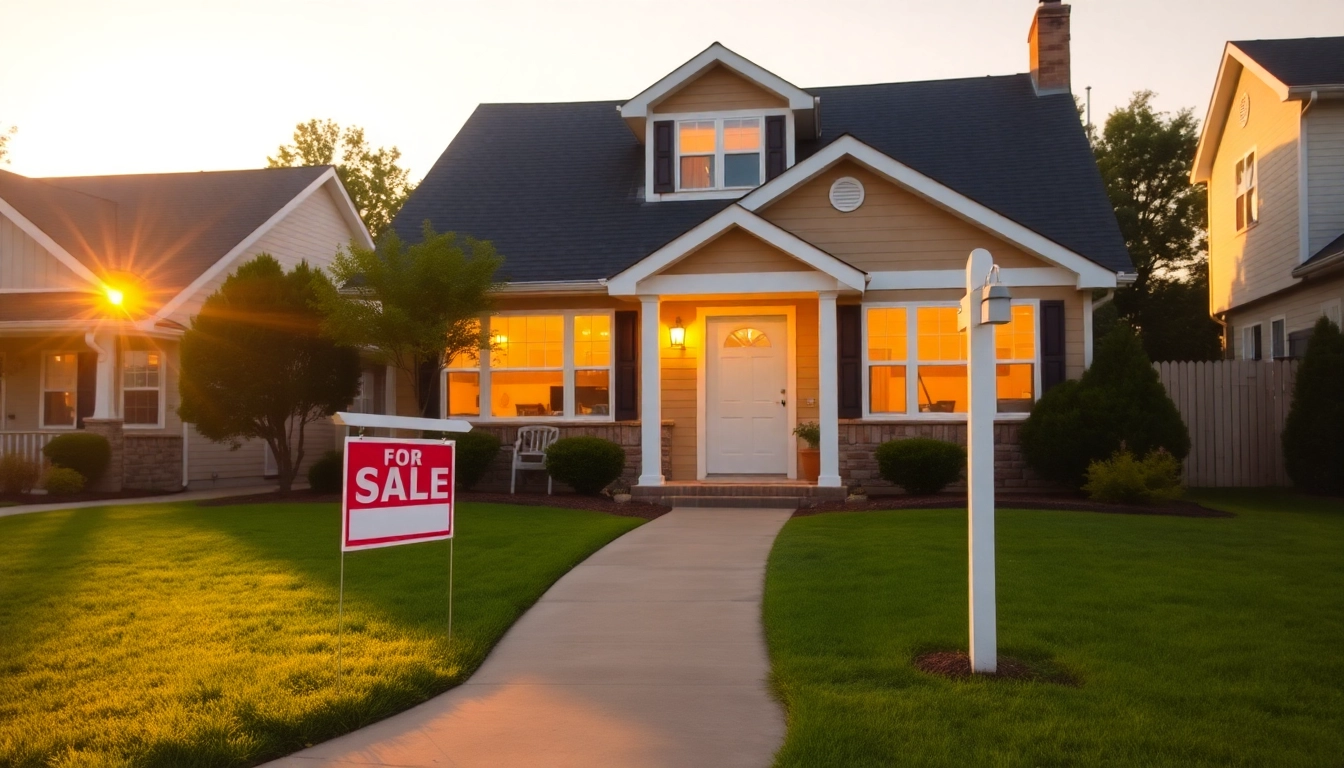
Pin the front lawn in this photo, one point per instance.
(175, 635)
(1195, 641)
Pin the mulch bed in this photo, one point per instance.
(1057, 501)
(957, 666)
(563, 500)
(47, 498)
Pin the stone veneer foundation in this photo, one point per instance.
(859, 441)
(624, 433)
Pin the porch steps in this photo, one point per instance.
(736, 494)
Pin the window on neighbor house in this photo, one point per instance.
(1331, 311)
(60, 377)
(723, 153)
(934, 378)
(1250, 342)
(1278, 339)
(141, 387)
(549, 366)
(1245, 177)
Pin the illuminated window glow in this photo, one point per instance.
(719, 154)
(60, 375)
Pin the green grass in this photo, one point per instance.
(1196, 641)
(172, 635)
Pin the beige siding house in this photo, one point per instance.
(1272, 156)
(71, 359)
(697, 270)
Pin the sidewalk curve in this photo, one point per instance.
(649, 653)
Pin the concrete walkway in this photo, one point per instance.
(649, 653)
(217, 493)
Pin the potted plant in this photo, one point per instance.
(857, 494)
(620, 491)
(809, 458)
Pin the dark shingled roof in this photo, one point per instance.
(165, 228)
(1332, 250)
(557, 187)
(1301, 61)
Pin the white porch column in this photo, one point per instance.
(828, 399)
(105, 345)
(651, 394)
(980, 467)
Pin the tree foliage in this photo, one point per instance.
(378, 186)
(255, 363)
(413, 307)
(1313, 435)
(1119, 402)
(5, 134)
(1145, 158)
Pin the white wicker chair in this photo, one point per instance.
(529, 452)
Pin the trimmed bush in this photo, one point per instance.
(920, 465)
(325, 474)
(85, 452)
(1123, 479)
(17, 474)
(63, 481)
(476, 451)
(1313, 435)
(586, 464)
(1119, 401)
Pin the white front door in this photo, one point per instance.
(747, 429)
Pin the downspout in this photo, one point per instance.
(1311, 102)
(101, 409)
(1104, 300)
(1220, 319)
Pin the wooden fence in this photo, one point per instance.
(1235, 410)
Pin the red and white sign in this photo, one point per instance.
(396, 492)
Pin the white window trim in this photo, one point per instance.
(568, 368)
(1254, 191)
(121, 386)
(912, 361)
(720, 153)
(1282, 349)
(717, 193)
(42, 392)
(1247, 345)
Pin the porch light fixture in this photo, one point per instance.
(995, 300)
(677, 335)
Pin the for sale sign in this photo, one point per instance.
(396, 492)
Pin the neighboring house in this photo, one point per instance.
(696, 270)
(100, 276)
(1272, 155)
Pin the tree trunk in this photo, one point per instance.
(427, 388)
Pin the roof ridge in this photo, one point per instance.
(55, 180)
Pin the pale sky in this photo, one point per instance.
(140, 86)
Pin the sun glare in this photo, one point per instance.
(115, 296)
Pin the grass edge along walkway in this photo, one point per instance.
(1196, 641)
(176, 635)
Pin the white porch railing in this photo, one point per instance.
(26, 444)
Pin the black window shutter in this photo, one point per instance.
(86, 386)
(850, 346)
(1052, 344)
(776, 153)
(627, 366)
(663, 180)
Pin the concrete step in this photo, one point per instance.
(732, 502)
(731, 490)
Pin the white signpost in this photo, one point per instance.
(985, 305)
(396, 491)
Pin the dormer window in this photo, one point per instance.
(720, 153)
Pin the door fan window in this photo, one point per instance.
(747, 337)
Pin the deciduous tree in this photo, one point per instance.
(377, 184)
(255, 363)
(5, 134)
(413, 307)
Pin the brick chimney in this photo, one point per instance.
(1049, 43)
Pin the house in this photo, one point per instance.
(100, 276)
(698, 269)
(1272, 155)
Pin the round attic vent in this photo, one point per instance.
(1244, 109)
(846, 194)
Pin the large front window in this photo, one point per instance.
(722, 153)
(141, 387)
(60, 377)
(539, 366)
(916, 361)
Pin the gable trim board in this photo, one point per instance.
(45, 240)
(226, 261)
(1089, 273)
(642, 105)
(631, 281)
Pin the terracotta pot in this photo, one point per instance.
(809, 464)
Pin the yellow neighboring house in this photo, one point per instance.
(695, 271)
(99, 276)
(1272, 155)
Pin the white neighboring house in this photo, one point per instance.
(71, 359)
